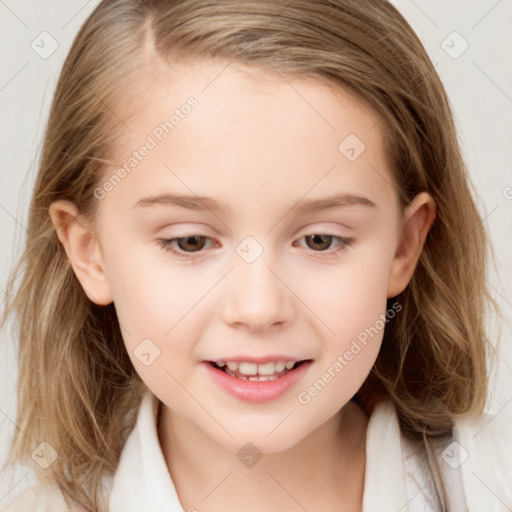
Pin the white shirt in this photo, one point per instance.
(477, 467)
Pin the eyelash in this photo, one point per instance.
(166, 244)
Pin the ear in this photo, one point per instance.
(417, 219)
(83, 250)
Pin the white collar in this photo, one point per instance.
(384, 479)
(482, 482)
(142, 480)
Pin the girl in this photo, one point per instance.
(254, 271)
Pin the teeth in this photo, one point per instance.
(254, 371)
(265, 369)
(256, 378)
(248, 368)
(280, 366)
(259, 378)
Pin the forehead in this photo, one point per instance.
(251, 130)
(235, 95)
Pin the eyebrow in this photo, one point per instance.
(201, 203)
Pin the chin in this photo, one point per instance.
(274, 443)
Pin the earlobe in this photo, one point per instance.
(83, 250)
(418, 217)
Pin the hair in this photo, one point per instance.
(72, 358)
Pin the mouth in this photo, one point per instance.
(268, 371)
(257, 382)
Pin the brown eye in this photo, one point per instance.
(319, 242)
(185, 246)
(191, 243)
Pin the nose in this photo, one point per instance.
(258, 298)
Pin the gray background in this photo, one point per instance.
(478, 81)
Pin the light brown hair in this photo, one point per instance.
(72, 358)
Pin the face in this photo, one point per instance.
(289, 257)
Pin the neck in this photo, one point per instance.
(330, 463)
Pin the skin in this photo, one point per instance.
(260, 144)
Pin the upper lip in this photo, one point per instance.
(257, 360)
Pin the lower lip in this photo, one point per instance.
(257, 391)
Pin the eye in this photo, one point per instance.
(188, 245)
(320, 242)
(184, 243)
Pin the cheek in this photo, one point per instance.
(152, 311)
(151, 296)
(352, 294)
(354, 309)
(157, 305)
(353, 306)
